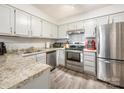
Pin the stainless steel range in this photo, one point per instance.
(74, 57)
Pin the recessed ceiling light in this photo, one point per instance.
(68, 7)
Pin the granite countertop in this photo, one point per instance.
(42, 51)
(15, 70)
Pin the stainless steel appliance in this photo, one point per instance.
(2, 48)
(58, 45)
(74, 57)
(110, 53)
(51, 59)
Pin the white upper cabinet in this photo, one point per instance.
(46, 29)
(62, 31)
(79, 25)
(54, 30)
(6, 19)
(72, 26)
(49, 30)
(117, 18)
(22, 24)
(36, 26)
(102, 20)
(90, 28)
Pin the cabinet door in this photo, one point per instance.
(62, 31)
(36, 26)
(61, 57)
(79, 25)
(41, 58)
(42, 81)
(90, 26)
(22, 23)
(6, 19)
(54, 31)
(46, 29)
(102, 20)
(71, 26)
(117, 18)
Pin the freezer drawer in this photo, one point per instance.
(111, 71)
(103, 70)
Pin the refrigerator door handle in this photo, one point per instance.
(98, 40)
(107, 61)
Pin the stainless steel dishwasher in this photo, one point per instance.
(51, 59)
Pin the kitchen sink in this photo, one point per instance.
(26, 52)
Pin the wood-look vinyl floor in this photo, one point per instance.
(63, 78)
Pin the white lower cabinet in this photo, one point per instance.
(37, 57)
(61, 57)
(41, 58)
(90, 62)
(41, 82)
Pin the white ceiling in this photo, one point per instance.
(60, 11)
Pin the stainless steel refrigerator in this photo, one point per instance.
(110, 53)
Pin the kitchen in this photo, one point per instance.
(81, 48)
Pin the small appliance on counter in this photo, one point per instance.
(58, 45)
(47, 45)
(2, 48)
(90, 43)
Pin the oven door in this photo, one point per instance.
(73, 56)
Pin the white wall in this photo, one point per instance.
(96, 13)
(34, 11)
(13, 43)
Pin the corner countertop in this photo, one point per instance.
(16, 70)
(87, 50)
(43, 51)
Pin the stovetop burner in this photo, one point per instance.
(75, 47)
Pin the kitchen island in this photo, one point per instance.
(19, 72)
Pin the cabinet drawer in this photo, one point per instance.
(89, 70)
(89, 58)
(75, 63)
(75, 68)
(41, 58)
(89, 54)
(88, 63)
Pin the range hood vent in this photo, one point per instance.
(77, 31)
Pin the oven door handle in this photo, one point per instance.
(81, 57)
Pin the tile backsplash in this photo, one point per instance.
(24, 43)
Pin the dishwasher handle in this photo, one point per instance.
(51, 51)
